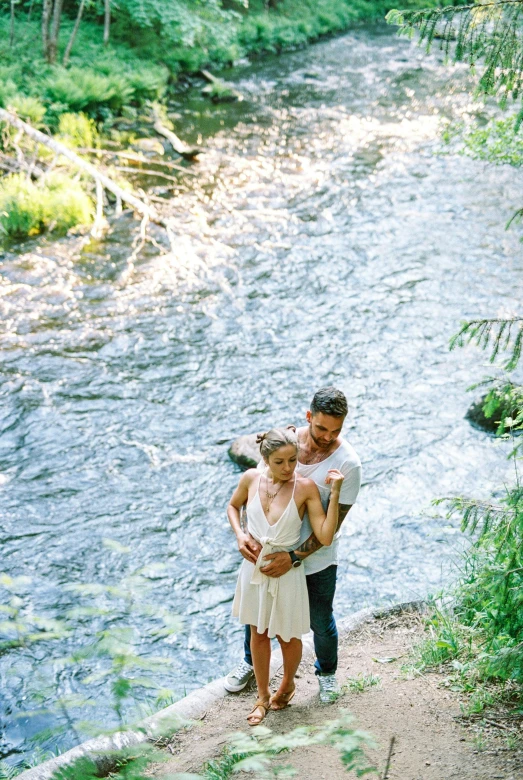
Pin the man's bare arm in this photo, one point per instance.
(311, 545)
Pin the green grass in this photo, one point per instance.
(362, 683)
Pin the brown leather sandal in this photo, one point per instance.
(255, 720)
(281, 699)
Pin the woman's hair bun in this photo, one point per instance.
(275, 438)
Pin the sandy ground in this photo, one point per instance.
(431, 740)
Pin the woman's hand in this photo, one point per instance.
(249, 547)
(335, 479)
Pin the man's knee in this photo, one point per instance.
(324, 625)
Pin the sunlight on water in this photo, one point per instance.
(321, 241)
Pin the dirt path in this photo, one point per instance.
(419, 711)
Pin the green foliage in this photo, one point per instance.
(28, 108)
(77, 89)
(8, 772)
(487, 33)
(113, 649)
(362, 683)
(504, 405)
(255, 752)
(496, 142)
(489, 595)
(77, 130)
(446, 640)
(500, 335)
(130, 764)
(57, 203)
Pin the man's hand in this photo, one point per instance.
(249, 547)
(278, 563)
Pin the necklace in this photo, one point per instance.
(270, 496)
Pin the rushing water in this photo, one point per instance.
(322, 241)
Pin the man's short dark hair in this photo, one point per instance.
(330, 401)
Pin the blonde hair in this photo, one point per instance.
(275, 438)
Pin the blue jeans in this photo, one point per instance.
(321, 587)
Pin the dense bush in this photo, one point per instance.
(77, 130)
(28, 208)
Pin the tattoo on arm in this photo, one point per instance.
(243, 518)
(308, 547)
(311, 545)
(343, 511)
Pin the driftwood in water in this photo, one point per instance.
(218, 90)
(101, 179)
(179, 146)
(136, 158)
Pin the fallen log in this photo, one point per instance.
(105, 181)
(179, 146)
(136, 158)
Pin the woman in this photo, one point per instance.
(277, 499)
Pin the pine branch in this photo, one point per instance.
(473, 512)
(501, 335)
(490, 31)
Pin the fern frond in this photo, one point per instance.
(488, 31)
(501, 335)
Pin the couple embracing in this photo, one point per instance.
(296, 501)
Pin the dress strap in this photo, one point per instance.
(259, 483)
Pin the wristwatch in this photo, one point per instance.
(296, 562)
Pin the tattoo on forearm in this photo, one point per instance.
(243, 518)
(311, 545)
(308, 547)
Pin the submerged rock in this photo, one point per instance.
(245, 452)
(148, 146)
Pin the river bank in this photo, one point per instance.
(434, 738)
(96, 94)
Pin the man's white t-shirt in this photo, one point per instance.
(346, 460)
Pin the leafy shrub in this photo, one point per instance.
(8, 88)
(28, 108)
(84, 90)
(77, 130)
(28, 208)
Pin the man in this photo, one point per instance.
(321, 447)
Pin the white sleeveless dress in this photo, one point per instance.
(279, 604)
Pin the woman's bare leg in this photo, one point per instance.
(291, 652)
(261, 659)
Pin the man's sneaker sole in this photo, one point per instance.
(235, 688)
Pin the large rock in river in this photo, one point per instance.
(245, 452)
(508, 403)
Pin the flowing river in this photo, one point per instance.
(322, 241)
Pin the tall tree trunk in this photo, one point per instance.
(107, 21)
(52, 48)
(46, 16)
(30, 10)
(12, 24)
(72, 39)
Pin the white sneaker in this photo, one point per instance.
(238, 679)
(329, 688)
